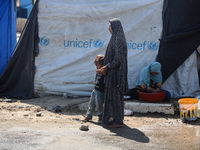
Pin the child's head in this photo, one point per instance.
(99, 61)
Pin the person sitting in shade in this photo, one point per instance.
(150, 78)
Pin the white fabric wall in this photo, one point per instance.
(184, 82)
(61, 69)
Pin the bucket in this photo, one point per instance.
(188, 108)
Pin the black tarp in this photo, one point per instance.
(17, 79)
(180, 35)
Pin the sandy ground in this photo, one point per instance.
(33, 125)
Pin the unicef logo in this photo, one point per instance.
(98, 43)
(44, 41)
(84, 44)
(152, 46)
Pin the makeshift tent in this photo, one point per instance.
(17, 79)
(7, 31)
(180, 38)
(25, 8)
(72, 33)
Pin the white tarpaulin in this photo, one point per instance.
(184, 81)
(73, 33)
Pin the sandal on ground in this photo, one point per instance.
(87, 119)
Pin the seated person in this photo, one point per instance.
(150, 80)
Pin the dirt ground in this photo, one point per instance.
(34, 125)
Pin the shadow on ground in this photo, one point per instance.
(129, 133)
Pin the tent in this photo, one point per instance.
(25, 8)
(17, 77)
(67, 35)
(178, 45)
(7, 31)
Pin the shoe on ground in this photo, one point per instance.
(87, 119)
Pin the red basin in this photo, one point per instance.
(151, 97)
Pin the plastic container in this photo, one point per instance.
(188, 109)
(198, 105)
(151, 97)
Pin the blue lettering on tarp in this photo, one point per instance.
(98, 43)
(152, 46)
(84, 44)
(44, 41)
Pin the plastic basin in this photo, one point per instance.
(151, 97)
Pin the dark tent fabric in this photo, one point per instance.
(17, 79)
(180, 35)
(8, 37)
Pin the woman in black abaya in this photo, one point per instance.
(115, 70)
